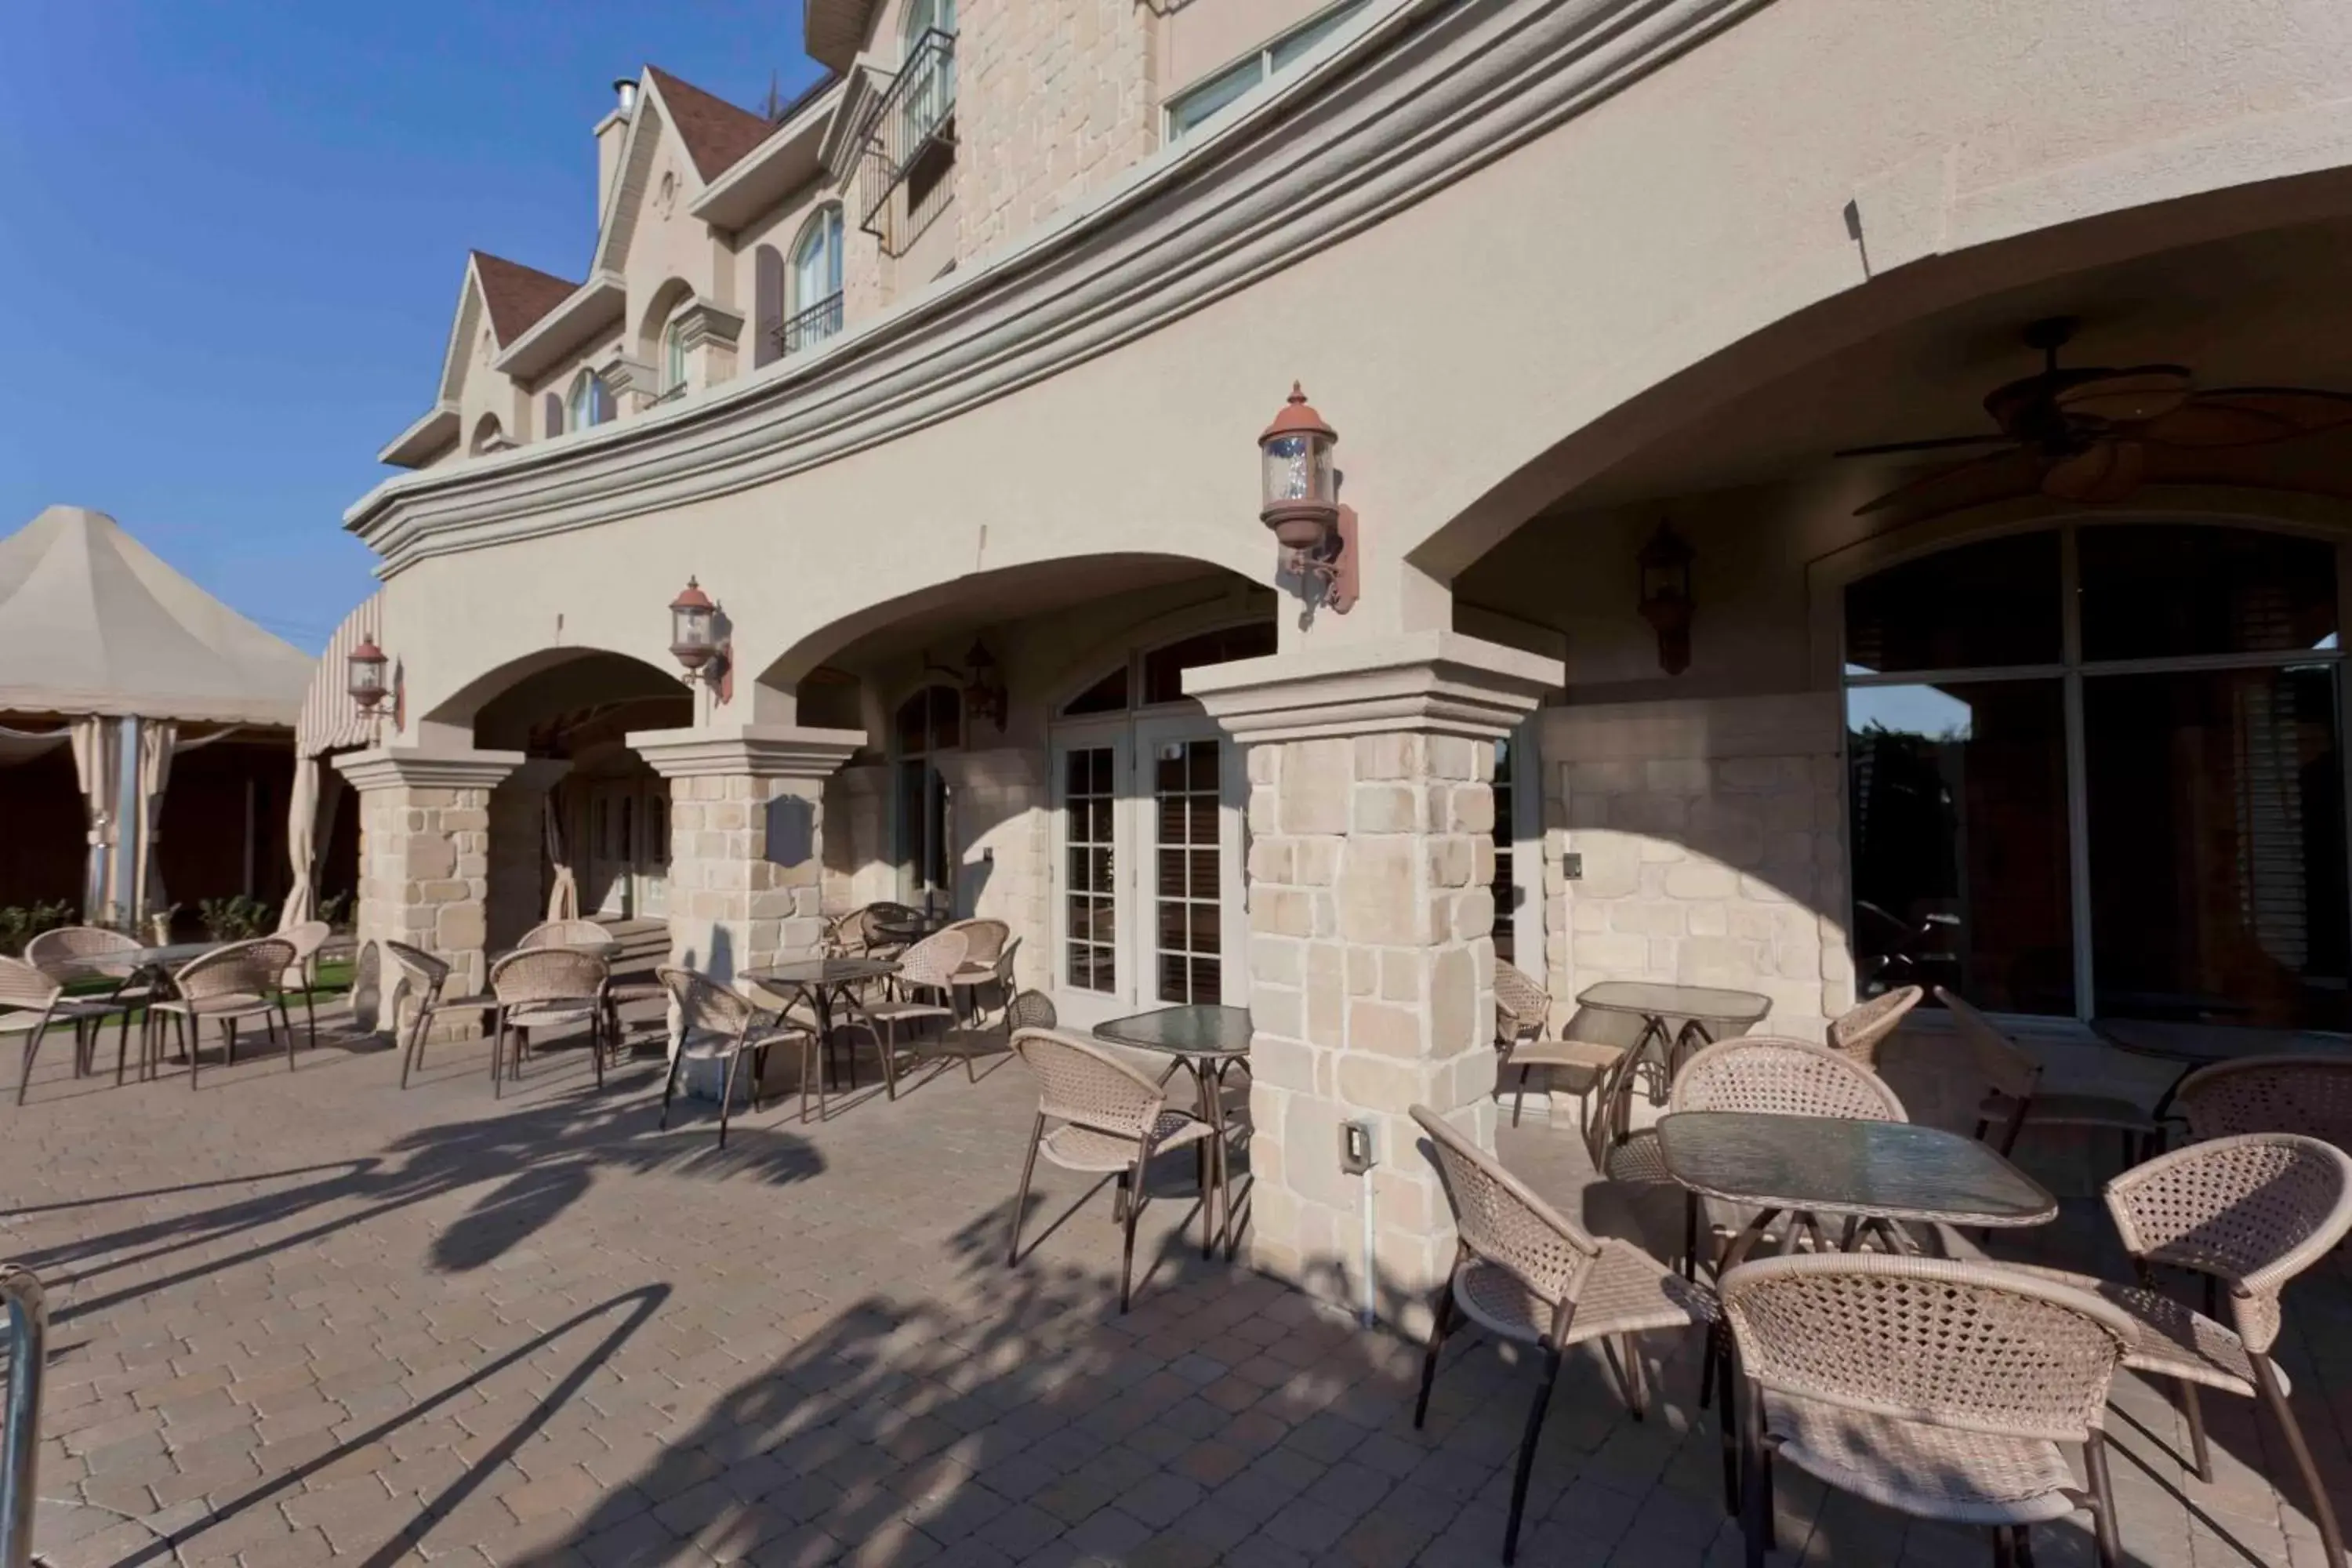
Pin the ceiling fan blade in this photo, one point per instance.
(2249, 417)
(2141, 393)
(2104, 471)
(1996, 476)
(1936, 443)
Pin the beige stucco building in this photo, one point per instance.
(972, 346)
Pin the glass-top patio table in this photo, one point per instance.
(822, 981)
(1675, 1021)
(1208, 1041)
(2195, 1045)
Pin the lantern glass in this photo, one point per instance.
(691, 638)
(1299, 470)
(367, 667)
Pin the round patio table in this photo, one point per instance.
(2195, 1046)
(1208, 1041)
(1675, 1021)
(822, 981)
(1876, 1173)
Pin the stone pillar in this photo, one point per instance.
(517, 900)
(425, 851)
(1371, 963)
(746, 867)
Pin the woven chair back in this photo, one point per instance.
(424, 971)
(2310, 1095)
(23, 985)
(2003, 1065)
(932, 960)
(549, 975)
(241, 969)
(69, 952)
(704, 1005)
(983, 940)
(308, 938)
(2256, 1209)
(1502, 1222)
(1522, 1008)
(844, 935)
(1079, 1082)
(1031, 1010)
(1782, 1077)
(1858, 1032)
(585, 935)
(1964, 1345)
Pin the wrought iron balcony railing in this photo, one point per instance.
(806, 329)
(908, 139)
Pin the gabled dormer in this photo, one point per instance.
(498, 303)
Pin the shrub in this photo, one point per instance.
(20, 923)
(238, 918)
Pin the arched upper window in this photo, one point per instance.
(674, 358)
(927, 16)
(815, 302)
(767, 304)
(1162, 673)
(591, 401)
(2096, 771)
(489, 435)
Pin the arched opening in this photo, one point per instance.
(2047, 711)
(488, 436)
(590, 402)
(815, 306)
(654, 326)
(927, 725)
(585, 821)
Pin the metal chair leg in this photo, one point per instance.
(32, 1045)
(2323, 1512)
(1126, 1245)
(2102, 1500)
(1527, 1462)
(2200, 1451)
(670, 1087)
(727, 1094)
(1020, 1198)
(1439, 1329)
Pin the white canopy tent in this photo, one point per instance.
(107, 649)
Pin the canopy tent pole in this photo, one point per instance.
(158, 739)
(122, 874)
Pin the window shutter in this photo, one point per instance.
(552, 412)
(768, 303)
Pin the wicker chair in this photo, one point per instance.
(1031, 1010)
(588, 936)
(303, 973)
(2014, 1099)
(538, 987)
(426, 975)
(227, 985)
(928, 966)
(1111, 1118)
(77, 952)
(718, 1024)
(1522, 1016)
(1525, 1272)
(985, 951)
(2250, 1212)
(1938, 1389)
(1857, 1033)
(2310, 1095)
(30, 1001)
(881, 929)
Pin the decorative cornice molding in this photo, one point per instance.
(776, 752)
(1425, 682)
(1413, 97)
(704, 323)
(411, 767)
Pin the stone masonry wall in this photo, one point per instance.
(1372, 985)
(746, 868)
(1054, 99)
(1712, 834)
(424, 874)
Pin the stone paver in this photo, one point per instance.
(308, 1318)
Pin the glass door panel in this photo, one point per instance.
(1962, 875)
(1090, 869)
(1188, 952)
(2217, 846)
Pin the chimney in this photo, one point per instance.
(610, 132)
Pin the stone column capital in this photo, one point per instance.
(747, 751)
(396, 768)
(1433, 682)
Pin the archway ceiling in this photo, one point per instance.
(2269, 308)
(1041, 588)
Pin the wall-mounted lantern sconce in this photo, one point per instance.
(1302, 504)
(1666, 601)
(367, 664)
(696, 642)
(984, 695)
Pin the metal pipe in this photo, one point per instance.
(20, 1447)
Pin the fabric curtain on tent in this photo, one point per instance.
(563, 898)
(302, 839)
(98, 765)
(158, 738)
(24, 746)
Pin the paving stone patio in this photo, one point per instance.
(306, 1316)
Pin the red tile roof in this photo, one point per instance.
(715, 131)
(517, 296)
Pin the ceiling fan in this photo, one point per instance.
(2088, 434)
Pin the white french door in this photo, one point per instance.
(628, 849)
(1149, 837)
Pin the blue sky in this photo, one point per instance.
(234, 234)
